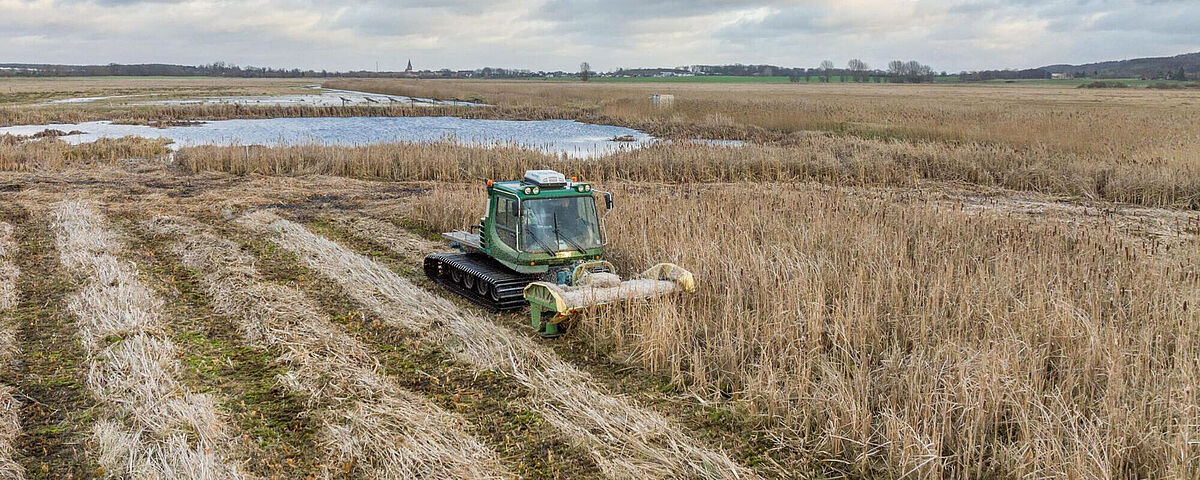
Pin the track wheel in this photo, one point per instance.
(456, 275)
(468, 281)
(482, 288)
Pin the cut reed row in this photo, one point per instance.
(887, 337)
(10, 421)
(823, 158)
(411, 247)
(626, 441)
(152, 426)
(366, 420)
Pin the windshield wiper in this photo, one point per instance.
(568, 239)
(541, 241)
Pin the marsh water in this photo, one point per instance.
(568, 137)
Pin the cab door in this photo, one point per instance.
(507, 221)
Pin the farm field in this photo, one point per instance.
(934, 281)
(839, 80)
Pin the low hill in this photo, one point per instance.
(1136, 67)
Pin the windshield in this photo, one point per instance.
(559, 224)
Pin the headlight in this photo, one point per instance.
(537, 190)
(528, 190)
(587, 187)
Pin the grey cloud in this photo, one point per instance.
(558, 34)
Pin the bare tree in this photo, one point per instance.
(585, 71)
(827, 69)
(896, 70)
(910, 71)
(917, 72)
(857, 69)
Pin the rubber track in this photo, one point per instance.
(509, 284)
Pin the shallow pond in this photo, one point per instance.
(568, 137)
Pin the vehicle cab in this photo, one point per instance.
(541, 221)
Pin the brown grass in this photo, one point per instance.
(890, 338)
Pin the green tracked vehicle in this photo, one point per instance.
(541, 244)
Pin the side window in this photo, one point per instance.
(506, 221)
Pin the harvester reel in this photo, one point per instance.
(551, 304)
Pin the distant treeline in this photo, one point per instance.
(1181, 67)
(1027, 74)
(221, 69)
(898, 71)
(218, 69)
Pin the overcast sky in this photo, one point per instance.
(950, 35)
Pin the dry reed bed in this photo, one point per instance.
(367, 421)
(40, 89)
(10, 421)
(1101, 124)
(625, 440)
(890, 338)
(823, 158)
(17, 155)
(155, 114)
(153, 427)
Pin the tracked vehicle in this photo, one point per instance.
(541, 244)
